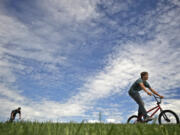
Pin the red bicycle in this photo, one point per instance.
(165, 116)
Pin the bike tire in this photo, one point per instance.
(165, 112)
(132, 117)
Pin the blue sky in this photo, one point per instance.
(65, 60)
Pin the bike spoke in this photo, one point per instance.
(168, 118)
(133, 121)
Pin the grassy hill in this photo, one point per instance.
(48, 128)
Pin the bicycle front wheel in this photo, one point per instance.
(168, 117)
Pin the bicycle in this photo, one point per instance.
(165, 116)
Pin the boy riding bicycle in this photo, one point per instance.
(13, 114)
(142, 84)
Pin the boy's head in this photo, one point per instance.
(144, 75)
(19, 108)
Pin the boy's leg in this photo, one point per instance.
(138, 99)
(140, 114)
(12, 117)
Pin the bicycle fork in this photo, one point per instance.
(164, 115)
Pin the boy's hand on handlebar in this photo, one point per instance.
(149, 93)
(161, 96)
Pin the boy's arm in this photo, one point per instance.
(144, 88)
(153, 91)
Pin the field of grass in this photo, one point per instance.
(48, 128)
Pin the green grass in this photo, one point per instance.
(48, 128)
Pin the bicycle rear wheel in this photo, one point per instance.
(168, 117)
(132, 119)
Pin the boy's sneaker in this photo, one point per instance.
(148, 118)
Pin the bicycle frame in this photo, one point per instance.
(156, 108)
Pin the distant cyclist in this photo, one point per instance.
(14, 112)
(142, 84)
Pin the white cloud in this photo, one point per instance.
(13, 95)
(68, 10)
(110, 120)
(93, 121)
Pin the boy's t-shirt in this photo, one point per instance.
(137, 87)
(15, 112)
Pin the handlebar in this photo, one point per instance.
(157, 98)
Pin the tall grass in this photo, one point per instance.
(48, 128)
